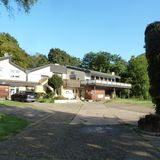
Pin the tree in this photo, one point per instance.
(118, 65)
(152, 46)
(101, 62)
(88, 59)
(138, 77)
(38, 60)
(25, 4)
(55, 82)
(9, 44)
(61, 57)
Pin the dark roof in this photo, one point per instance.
(94, 73)
(58, 68)
(9, 57)
(53, 68)
(78, 68)
(18, 83)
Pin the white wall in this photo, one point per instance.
(10, 72)
(67, 93)
(87, 76)
(35, 76)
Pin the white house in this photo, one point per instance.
(12, 76)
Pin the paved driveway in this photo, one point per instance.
(89, 131)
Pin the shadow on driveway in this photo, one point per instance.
(53, 138)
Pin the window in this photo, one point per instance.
(73, 75)
(92, 77)
(14, 73)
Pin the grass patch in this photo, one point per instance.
(147, 103)
(10, 125)
(13, 103)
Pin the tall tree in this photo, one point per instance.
(25, 4)
(152, 45)
(61, 57)
(101, 62)
(138, 77)
(10, 45)
(38, 60)
(118, 65)
(88, 59)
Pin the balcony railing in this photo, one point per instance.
(106, 83)
(71, 83)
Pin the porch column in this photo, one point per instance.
(114, 93)
(94, 96)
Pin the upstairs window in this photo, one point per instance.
(73, 76)
(14, 73)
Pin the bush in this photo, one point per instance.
(150, 123)
(46, 98)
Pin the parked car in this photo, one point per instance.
(25, 96)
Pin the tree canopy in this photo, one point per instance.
(104, 62)
(55, 82)
(61, 57)
(138, 77)
(38, 60)
(9, 44)
(25, 4)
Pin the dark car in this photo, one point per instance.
(26, 96)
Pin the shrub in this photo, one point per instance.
(150, 123)
(46, 98)
(152, 45)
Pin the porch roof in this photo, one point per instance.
(18, 83)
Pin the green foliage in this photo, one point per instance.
(104, 62)
(88, 60)
(152, 44)
(9, 44)
(118, 65)
(25, 4)
(101, 62)
(133, 101)
(46, 98)
(38, 60)
(55, 81)
(61, 57)
(10, 125)
(138, 77)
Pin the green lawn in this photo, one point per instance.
(13, 103)
(147, 103)
(10, 125)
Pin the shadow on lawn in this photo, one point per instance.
(55, 138)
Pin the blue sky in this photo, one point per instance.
(81, 26)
